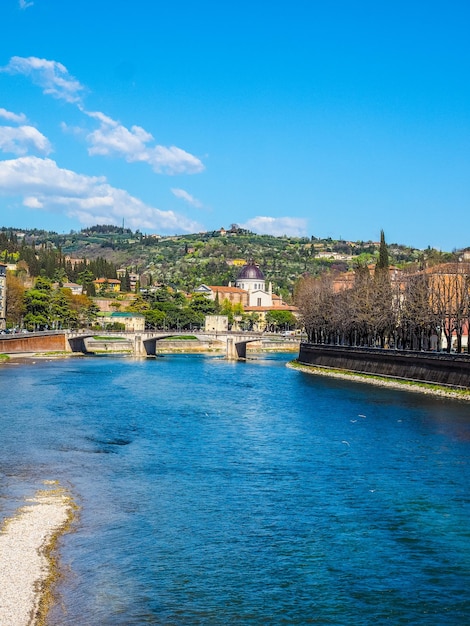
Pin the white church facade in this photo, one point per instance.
(250, 291)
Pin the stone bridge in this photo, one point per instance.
(144, 343)
(139, 343)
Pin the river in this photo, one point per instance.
(214, 492)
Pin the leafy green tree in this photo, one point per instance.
(61, 313)
(250, 321)
(15, 307)
(201, 304)
(226, 308)
(60, 276)
(139, 305)
(37, 302)
(85, 278)
(154, 318)
(179, 299)
(281, 320)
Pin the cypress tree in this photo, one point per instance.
(383, 261)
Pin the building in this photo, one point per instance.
(107, 284)
(216, 323)
(3, 296)
(133, 322)
(215, 292)
(249, 291)
(134, 278)
(76, 289)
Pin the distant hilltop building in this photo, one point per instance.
(236, 262)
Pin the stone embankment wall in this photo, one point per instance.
(12, 344)
(166, 346)
(430, 367)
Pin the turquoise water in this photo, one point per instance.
(243, 493)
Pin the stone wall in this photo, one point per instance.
(439, 368)
(11, 344)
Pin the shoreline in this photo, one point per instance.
(10, 358)
(28, 566)
(383, 381)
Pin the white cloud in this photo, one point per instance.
(25, 5)
(32, 203)
(89, 199)
(278, 226)
(187, 197)
(18, 118)
(52, 76)
(114, 139)
(19, 140)
(111, 138)
(173, 160)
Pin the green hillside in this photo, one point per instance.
(186, 261)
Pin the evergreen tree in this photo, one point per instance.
(126, 283)
(383, 261)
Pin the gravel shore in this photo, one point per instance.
(26, 567)
(403, 385)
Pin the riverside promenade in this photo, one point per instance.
(438, 368)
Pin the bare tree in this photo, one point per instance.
(449, 297)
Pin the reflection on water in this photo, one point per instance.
(224, 493)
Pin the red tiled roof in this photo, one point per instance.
(283, 307)
(227, 289)
(111, 281)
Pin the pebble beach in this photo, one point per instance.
(26, 565)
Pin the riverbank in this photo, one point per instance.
(165, 348)
(27, 564)
(382, 381)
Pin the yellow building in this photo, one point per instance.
(107, 284)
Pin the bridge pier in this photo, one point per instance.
(139, 347)
(235, 351)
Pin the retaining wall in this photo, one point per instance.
(11, 344)
(439, 368)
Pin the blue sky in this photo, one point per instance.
(333, 119)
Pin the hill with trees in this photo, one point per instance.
(186, 261)
(171, 268)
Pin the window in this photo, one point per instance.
(259, 302)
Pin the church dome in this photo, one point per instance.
(250, 272)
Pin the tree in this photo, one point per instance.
(154, 318)
(227, 309)
(250, 321)
(383, 260)
(61, 313)
(85, 278)
(449, 300)
(15, 306)
(281, 319)
(315, 297)
(138, 305)
(37, 303)
(126, 282)
(202, 304)
(416, 320)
